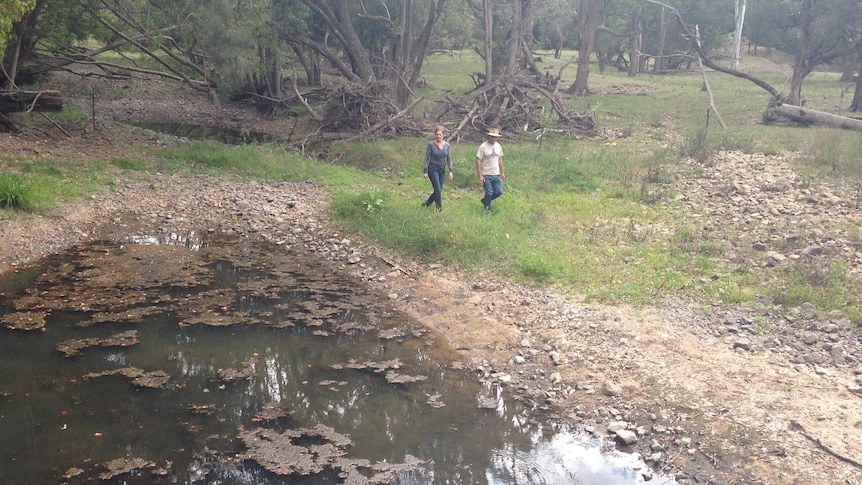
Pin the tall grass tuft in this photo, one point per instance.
(16, 192)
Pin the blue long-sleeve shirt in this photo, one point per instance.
(436, 157)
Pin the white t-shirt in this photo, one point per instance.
(489, 154)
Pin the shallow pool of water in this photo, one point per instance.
(250, 364)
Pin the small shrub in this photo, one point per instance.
(696, 146)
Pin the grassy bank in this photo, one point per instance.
(596, 218)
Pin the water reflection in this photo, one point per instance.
(313, 342)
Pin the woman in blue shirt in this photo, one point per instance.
(438, 157)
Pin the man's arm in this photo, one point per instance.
(502, 171)
(479, 170)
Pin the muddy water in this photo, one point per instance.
(182, 360)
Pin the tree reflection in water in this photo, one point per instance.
(289, 331)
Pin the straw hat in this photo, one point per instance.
(495, 132)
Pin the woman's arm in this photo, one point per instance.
(427, 158)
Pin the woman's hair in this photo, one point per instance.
(439, 128)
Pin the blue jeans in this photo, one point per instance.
(493, 188)
(436, 176)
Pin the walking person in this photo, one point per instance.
(438, 156)
(489, 168)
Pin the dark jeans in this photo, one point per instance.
(436, 176)
(493, 188)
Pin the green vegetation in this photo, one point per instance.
(598, 218)
(16, 192)
(34, 184)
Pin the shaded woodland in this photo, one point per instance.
(356, 68)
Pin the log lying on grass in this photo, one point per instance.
(20, 101)
(806, 116)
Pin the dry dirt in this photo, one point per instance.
(715, 414)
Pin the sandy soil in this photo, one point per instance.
(706, 410)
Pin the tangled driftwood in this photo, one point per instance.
(518, 106)
(366, 109)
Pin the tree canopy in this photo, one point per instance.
(273, 51)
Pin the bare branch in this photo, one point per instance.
(692, 37)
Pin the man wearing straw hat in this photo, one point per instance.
(489, 168)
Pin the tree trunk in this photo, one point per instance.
(807, 116)
(336, 14)
(419, 50)
(800, 71)
(515, 35)
(21, 101)
(856, 105)
(737, 35)
(489, 39)
(848, 68)
(588, 26)
(662, 34)
(635, 49)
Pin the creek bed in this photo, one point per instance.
(194, 360)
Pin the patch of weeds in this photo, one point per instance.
(739, 143)
(762, 325)
(771, 151)
(697, 146)
(704, 264)
(537, 266)
(348, 205)
(16, 192)
(245, 136)
(823, 283)
(129, 164)
(570, 172)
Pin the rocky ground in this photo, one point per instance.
(707, 392)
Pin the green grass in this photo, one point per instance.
(597, 218)
(16, 192)
(36, 184)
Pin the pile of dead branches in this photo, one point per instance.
(519, 107)
(367, 109)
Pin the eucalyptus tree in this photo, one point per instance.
(12, 12)
(814, 32)
(32, 28)
(370, 42)
(856, 104)
(590, 15)
(555, 21)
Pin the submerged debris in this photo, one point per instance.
(204, 409)
(125, 315)
(434, 400)
(386, 367)
(121, 466)
(391, 333)
(310, 451)
(25, 320)
(377, 367)
(271, 412)
(73, 347)
(245, 372)
(73, 472)
(157, 379)
(396, 378)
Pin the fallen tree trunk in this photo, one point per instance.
(806, 116)
(21, 101)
